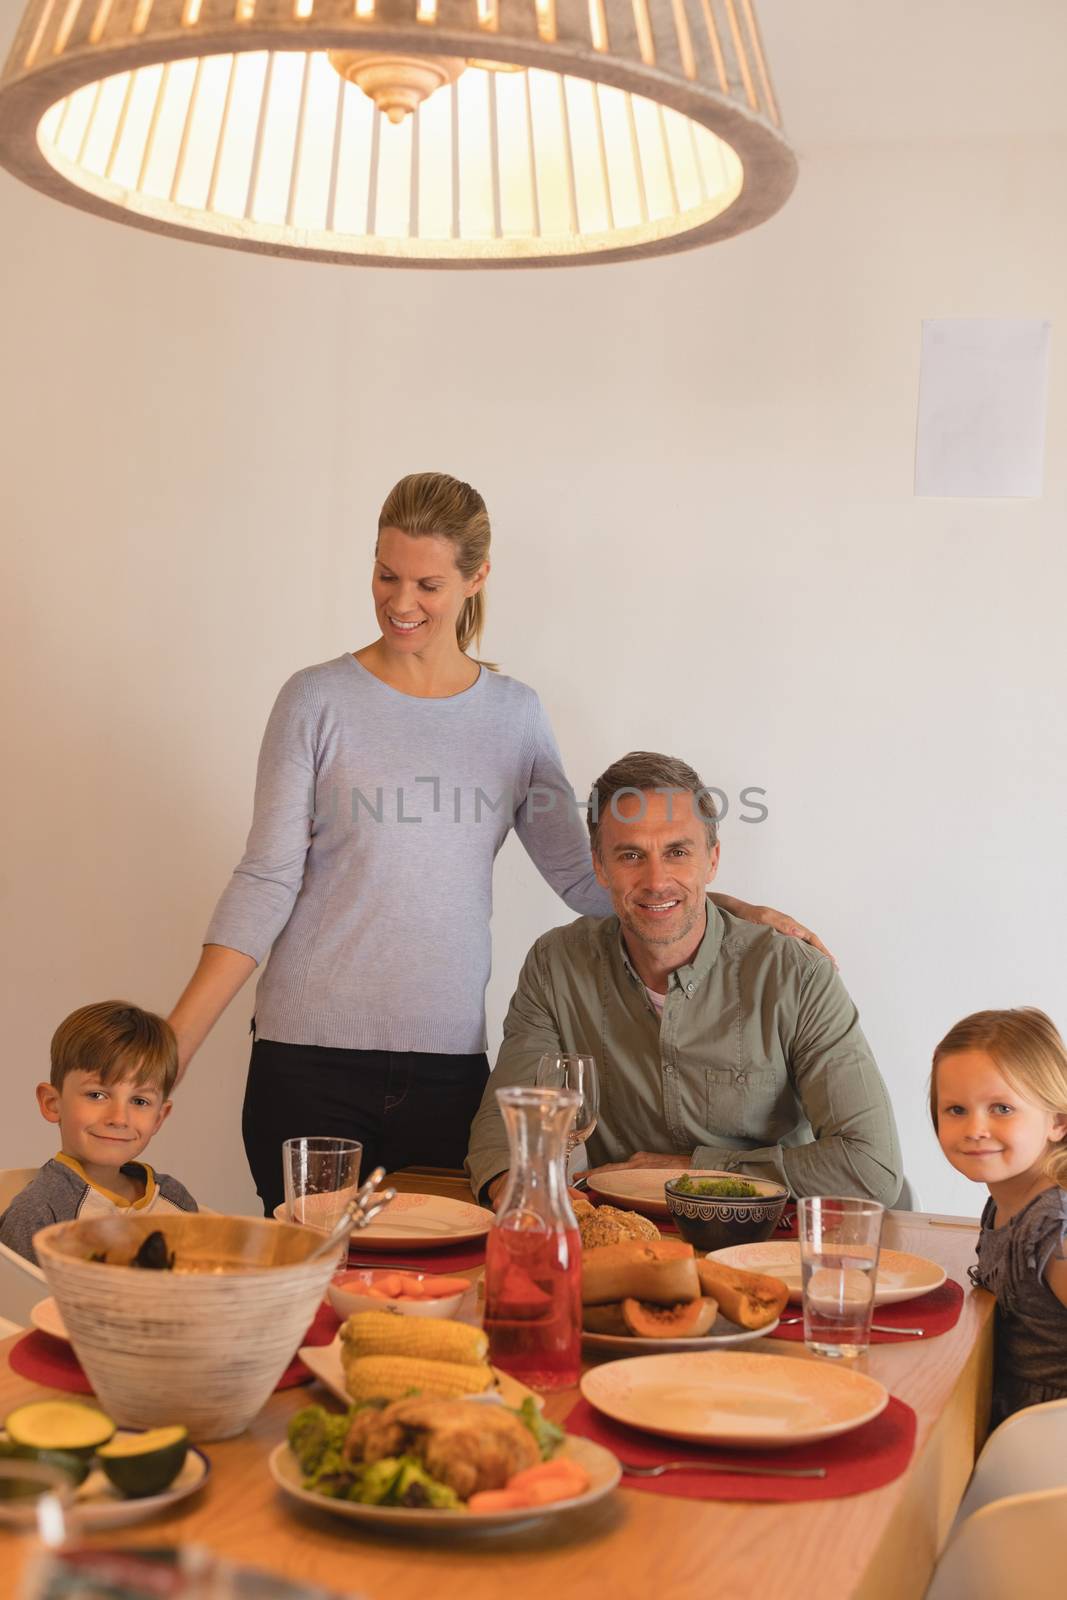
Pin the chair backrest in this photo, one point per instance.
(12, 1181)
(1027, 1452)
(21, 1283)
(1008, 1549)
(21, 1286)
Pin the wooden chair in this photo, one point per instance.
(1009, 1549)
(21, 1283)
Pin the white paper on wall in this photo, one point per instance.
(983, 390)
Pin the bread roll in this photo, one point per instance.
(751, 1299)
(662, 1271)
(603, 1225)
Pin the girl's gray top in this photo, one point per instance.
(368, 872)
(1030, 1359)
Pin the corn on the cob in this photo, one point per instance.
(392, 1377)
(385, 1333)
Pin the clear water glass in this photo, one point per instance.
(839, 1243)
(321, 1177)
(577, 1073)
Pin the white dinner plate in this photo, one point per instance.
(601, 1465)
(722, 1335)
(900, 1276)
(47, 1316)
(419, 1221)
(98, 1504)
(734, 1397)
(638, 1188)
(324, 1360)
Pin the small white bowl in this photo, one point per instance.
(349, 1291)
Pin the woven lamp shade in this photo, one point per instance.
(554, 132)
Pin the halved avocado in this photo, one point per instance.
(140, 1464)
(75, 1467)
(691, 1319)
(60, 1425)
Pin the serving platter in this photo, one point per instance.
(900, 1276)
(97, 1504)
(602, 1467)
(734, 1398)
(324, 1360)
(722, 1335)
(422, 1221)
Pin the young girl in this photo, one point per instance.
(998, 1097)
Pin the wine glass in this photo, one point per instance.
(577, 1073)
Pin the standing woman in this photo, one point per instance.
(388, 779)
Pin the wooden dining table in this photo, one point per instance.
(880, 1545)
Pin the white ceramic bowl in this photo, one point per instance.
(203, 1346)
(350, 1291)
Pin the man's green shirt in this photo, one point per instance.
(758, 1065)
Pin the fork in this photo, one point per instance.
(876, 1327)
(750, 1470)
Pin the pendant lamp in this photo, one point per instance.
(431, 133)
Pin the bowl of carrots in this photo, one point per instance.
(413, 1294)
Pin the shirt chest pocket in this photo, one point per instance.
(742, 1102)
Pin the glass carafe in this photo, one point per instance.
(533, 1264)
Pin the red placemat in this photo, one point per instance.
(934, 1313)
(52, 1362)
(456, 1258)
(322, 1331)
(49, 1361)
(867, 1458)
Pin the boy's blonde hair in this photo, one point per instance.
(1028, 1050)
(116, 1040)
(431, 504)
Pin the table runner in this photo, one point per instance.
(867, 1458)
(52, 1362)
(936, 1312)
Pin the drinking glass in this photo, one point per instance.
(321, 1176)
(577, 1073)
(839, 1243)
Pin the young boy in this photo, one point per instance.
(113, 1068)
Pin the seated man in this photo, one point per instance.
(719, 1043)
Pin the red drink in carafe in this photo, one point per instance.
(533, 1304)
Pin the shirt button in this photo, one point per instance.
(689, 988)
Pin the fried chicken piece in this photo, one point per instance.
(469, 1447)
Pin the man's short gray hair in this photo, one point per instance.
(645, 771)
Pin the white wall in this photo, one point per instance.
(699, 471)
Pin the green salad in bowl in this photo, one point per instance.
(722, 1188)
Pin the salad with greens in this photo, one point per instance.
(317, 1440)
(721, 1188)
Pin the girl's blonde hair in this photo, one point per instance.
(431, 504)
(1029, 1052)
